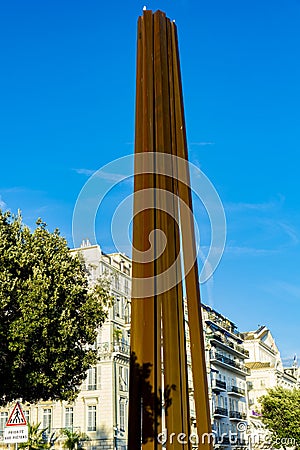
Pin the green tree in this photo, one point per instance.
(36, 439)
(73, 439)
(281, 415)
(48, 315)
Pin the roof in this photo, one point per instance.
(256, 334)
(258, 365)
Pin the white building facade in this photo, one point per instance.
(266, 368)
(266, 371)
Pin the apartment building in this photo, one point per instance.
(227, 372)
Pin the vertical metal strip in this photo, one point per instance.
(143, 337)
(191, 276)
(185, 407)
(174, 360)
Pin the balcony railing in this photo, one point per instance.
(221, 411)
(218, 384)
(223, 323)
(223, 440)
(234, 346)
(224, 359)
(121, 347)
(237, 390)
(233, 440)
(238, 442)
(237, 415)
(106, 348)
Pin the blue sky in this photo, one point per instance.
(67, 89)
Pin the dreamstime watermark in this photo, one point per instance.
(249, 440)
(99, 187)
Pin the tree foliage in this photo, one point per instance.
(73, 439)
(48, 314)
(281, 415)
(36, 439)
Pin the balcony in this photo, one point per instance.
(218, 385)
(227, 343)
(105, 349)
(239, 443)
(121, 347)
(235, 390)
(223, 440)
(216, 356)
(226, 324)
(223, 412)
(237, 415)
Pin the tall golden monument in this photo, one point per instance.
(164, 256)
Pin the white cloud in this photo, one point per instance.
(87, 172)
(20, 190)
(251, 251)
(265, 206)
(288, 292)
(2, 203)
(101, 174)
(290, 232)
(201, 144)
(288, 288)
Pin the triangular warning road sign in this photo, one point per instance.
(17, 418)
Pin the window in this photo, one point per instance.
(47, 418)
(117, 282)
(126, 286)
(92, 379)
(123, 306)
(69, 418)
(127, 313)
(224, 428)
(117, 307)
(214, 401)
(91, 419)
(3, 420)
(123, 378)
(122, 406)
